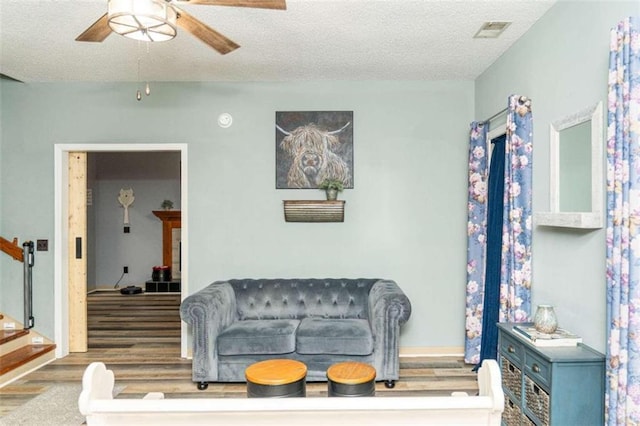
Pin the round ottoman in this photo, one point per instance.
(351, 379)
(276, 378)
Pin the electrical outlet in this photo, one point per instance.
(125, 270)
(42, 245)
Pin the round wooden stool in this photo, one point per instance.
(351, 379)
(276, 378)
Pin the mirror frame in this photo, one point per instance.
(588, 220)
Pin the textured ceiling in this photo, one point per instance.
(311, 40)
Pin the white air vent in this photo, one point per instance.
(491, 29)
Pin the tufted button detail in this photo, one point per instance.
(287, 298)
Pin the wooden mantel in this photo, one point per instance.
(170, 219)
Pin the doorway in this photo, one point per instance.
(63, 316)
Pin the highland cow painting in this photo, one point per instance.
(312, 146)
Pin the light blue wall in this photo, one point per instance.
(141, 248)
(561, 64)
(405, 218)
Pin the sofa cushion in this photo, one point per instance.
(300, 298)
(334, 336)
(258, 337)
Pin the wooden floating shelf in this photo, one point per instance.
(313, 211)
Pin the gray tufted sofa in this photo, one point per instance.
(317, 321)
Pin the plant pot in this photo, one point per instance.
(332, 194)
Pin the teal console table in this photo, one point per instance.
(554, 386)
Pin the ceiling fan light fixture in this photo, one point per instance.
(144, 20)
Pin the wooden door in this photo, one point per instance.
(77, 252)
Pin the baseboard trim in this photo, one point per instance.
(434, 351)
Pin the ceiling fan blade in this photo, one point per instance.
(262, 4)
(97, 32)
(205, 33)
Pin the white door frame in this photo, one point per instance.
(61, 231)
(491, 135)
(497, 132)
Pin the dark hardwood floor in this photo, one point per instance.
(138, 337)
(123, 321)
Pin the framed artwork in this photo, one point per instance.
(312, 146)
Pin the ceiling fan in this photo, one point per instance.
(157, 20)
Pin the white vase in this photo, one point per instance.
(545, 320)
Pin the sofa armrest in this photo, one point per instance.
(389, 308)
(208, 312)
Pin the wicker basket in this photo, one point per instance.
(511, 415)
(511, 377)
(537, 400)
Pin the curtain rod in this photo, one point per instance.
(497, 114)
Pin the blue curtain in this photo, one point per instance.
(513, 260)
(491, 300)
(623, 232)
(517, 225)
(476, 239)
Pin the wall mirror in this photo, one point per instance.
(576, 171)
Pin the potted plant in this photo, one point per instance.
(332, 187)
(167, 205)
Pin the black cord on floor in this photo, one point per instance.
(118, 283)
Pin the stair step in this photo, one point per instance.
(22, 356)
(10, 340)
(9, 335)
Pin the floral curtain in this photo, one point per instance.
(623, 231)
(515, 270)
(515, 284)
(476, 238)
